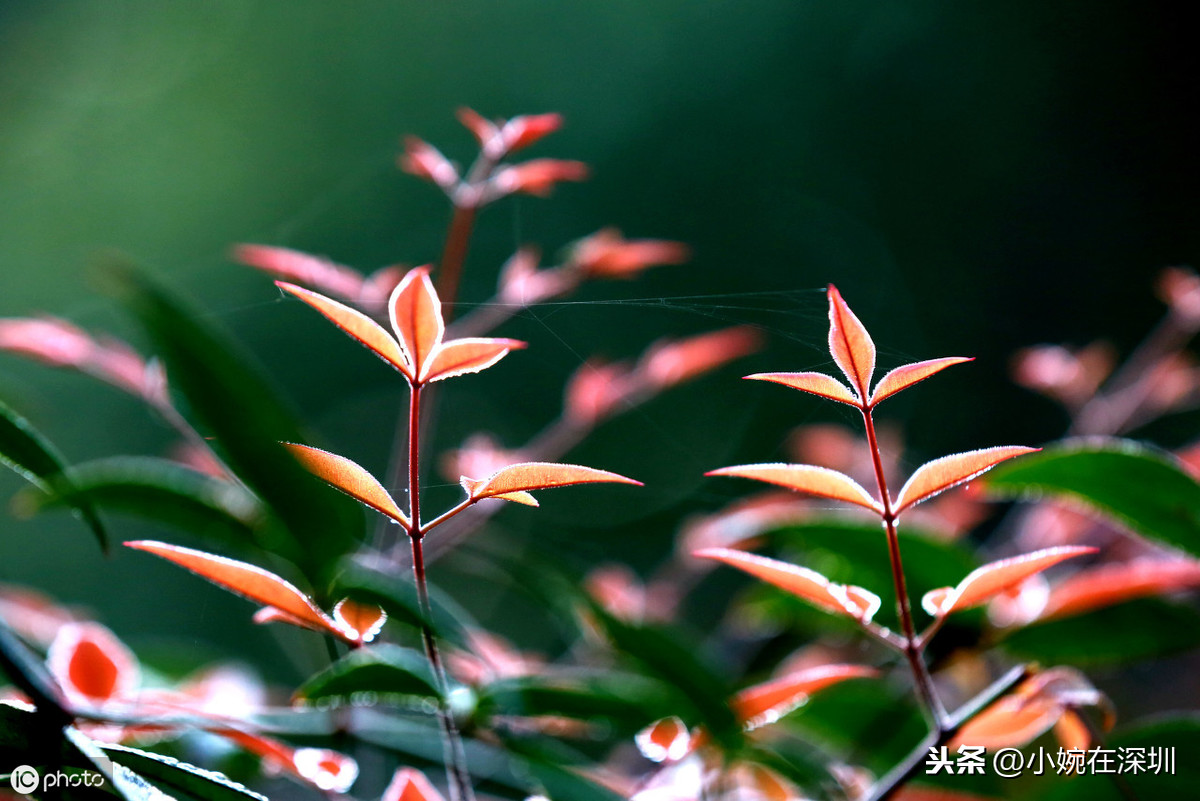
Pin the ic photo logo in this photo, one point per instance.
(24, 779)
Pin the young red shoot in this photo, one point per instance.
(988, 581)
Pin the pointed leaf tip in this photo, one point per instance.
(349, 477)
(941, 474)
(810, 479)
(515, 481)
(765, 703)
(470, 355)
(988, 581)
(906, 375)
(416, 316)
(850, 344)
(814, 383)
(249, 581)
(354, 323)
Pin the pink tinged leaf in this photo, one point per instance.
(471, 355)
(521, 132)
(668, 363)
(360, 622)
(358, 325)
(301, 268)
(986, 582)
(809, 479)
(1029, 710)
(269, 614)
(1021, 604)
(520, 478)
(665, 740)
(327, 770)
(850, 344)
(751, 780)
(765, 703)
(49, 340)
(427, 162)
(595, 390)
(91, 665)
(347, 476)
(800, 581)
(538, 176)
(416, 315)
(949, 471)
(909, 374)
(379, 285)
(34, 616)
(249, 581)
(608, 254)
(814, 383)
(483, 129)
(1113, 584)
(409, 784)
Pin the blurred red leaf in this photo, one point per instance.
(767, 702)
(1113, 584)
(349, 477)
(520, 478)
(91, 665)
(905, 376)
(483, 129)
(249, 581)
(800, 581)
(358, 325)
(427, 162)
(470, 355)
(538, 176)
(665, 740)
(806, 478)
(1029, 710)
(302, 268)
(416, 315)
(673, 362)
(815, 383)
(986, 582)
(409, 784)
(850, 344)
(329, 771)
(948, 471)
(594, 391)
(608, 254)
(523, 131)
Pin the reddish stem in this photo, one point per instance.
(454, 255)
(913, 649)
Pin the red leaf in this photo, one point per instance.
(358, 325)
(948, 471)
(986, 582)
(409, 784)
(350, 478)
(850, 344)
(416, 315)
(665, 740)
(92, 665)
(538, 176)
(909, 374)
(483, 129)
(799, 581)
(427, 162)
(767, 702)
(521, 132)
(327, 770)
(471, 355)
(673, 362)
(246, 580)
(608, 254)
(361, 622)
(1113, 584)
(1029, 710)
(815, 383)
(806, 478)
(519, 478)
(269, 614)
(301, 268)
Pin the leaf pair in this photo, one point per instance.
(282, 601)
(987, 582)
(417, 349)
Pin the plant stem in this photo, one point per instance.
(452, 747)
(913, 649)
(454, 255)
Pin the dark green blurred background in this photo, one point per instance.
(975, 177)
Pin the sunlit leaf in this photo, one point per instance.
(91, 664)
(356, 324)
(397, 595)
(27, 452)
(1142, 489)
(350, 478)
(905, 376)
(416, 315)
(408, 784)
(665, 740)
(1030, 709)
(949, 471)
(799, 581)
(302, 268)
(388, 670)
(1104, 586)
(182, 780)
(361, 622)
(814, 383)
(988, 581)
(471, 355)
(765, 703)
(249, 581)
(850, 344)
(520, 478)
(810, 479)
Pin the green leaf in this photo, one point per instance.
(1129, 632)
(179, 779)
(388, 670)
(159, 490)
(32, 456)
(1143, 489)
(679, 666)
(625, 701)
(28, 674)
(232, 399)
(398, 597)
